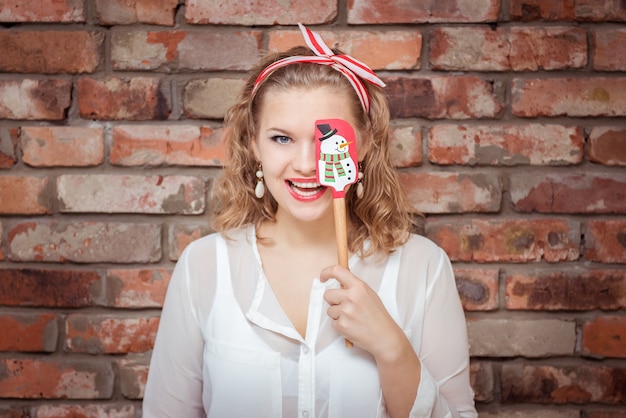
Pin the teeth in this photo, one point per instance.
(305, 185)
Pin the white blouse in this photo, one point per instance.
(225, 347)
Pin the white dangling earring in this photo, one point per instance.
(259, 190)
(359, 184)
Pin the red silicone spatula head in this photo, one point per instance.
(336, 148)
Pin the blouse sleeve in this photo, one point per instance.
(445, 389)
(174, 386)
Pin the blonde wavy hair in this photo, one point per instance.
(383, 216)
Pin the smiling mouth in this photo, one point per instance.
(305, 189)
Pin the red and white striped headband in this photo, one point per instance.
(355, 71)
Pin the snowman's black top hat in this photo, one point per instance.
(326, 131)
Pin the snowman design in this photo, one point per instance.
(335, 166)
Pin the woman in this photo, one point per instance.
(257, 315)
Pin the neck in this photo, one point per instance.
(294, 233)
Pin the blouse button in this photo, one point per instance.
(305, 350)
(305, 414)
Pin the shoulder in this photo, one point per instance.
(418, 246)
(208, 243)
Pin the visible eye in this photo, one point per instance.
(281, 139)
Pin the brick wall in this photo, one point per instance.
(509, 132)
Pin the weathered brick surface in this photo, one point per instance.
(110, 193)
(606, 45)
(50, 52)
(527, 338)
(31, 99)
(8, 146)
(569, 193)
(605, 241)
(596, 96)
(390, 50)
(210, 98)
(28, 332)
(608, 413)
(85, 411)
(272, 12)
(517, 49)
(84, 242)
(62, 146)
(184, 50)
(563, 384)
(53, 379)
(484, 241)
(452, 193)
(62, 11)
(122, 12)
(607, 145)
(136, 288)
(452, 97)
(478, 288)
(482, 381)
(398, 11)
(28, 195)
(180, 235)
(582, 10)
(600, 10)
(97, 334)
(150, 145)
(405, 145)
(49, 288)
(605, 337)
(114, 98)
(534, 144)
(572, 290)
(133, 377)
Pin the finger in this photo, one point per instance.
(334, 296)
(334, 312)
(341, 274)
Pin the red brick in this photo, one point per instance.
(271, 12)
(62, 11)
(437, 192)
(605, 45)
(389, 50)
(607, 145)
(51, 52)
(1, 243)
(405, 144)
(8, 411)
(400, 11)
(136, 288)
(454, 97)
(609, 413)
(85, 242)
(478, 288)
(64, 146)
(185, 50)
(150, 145)
(210, 98)
(527, 10)
(605, 241)
(30, 99)
(503, 240)
(482, 381)
(581, 96)
(534, 144)
(570, 290)
(27, 195)
(28, 332)
(569, 193)
(580, 384)
(112, 193)
(96, 334)
(605, 337)
(499, 337)
(517, 49)
(123, 12)
(85, 411)
(133, 377)
(49, 288)
(600, 10)
(113, 98)
(8, 147)
(55, 379)
(181, 235)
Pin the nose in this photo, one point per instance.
(305, 161)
